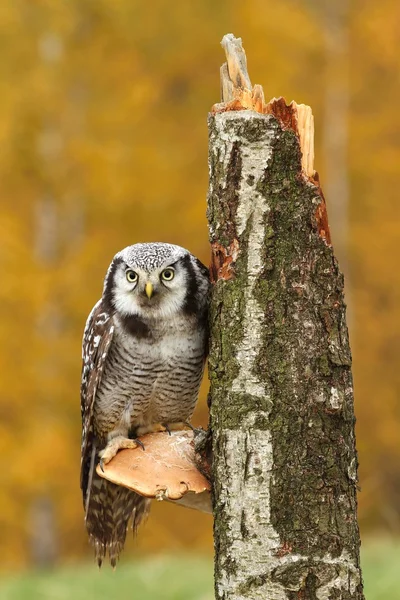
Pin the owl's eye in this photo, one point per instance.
(168, 274)
(131, 276)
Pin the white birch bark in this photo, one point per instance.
(282, 420)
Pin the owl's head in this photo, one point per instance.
(155, 280)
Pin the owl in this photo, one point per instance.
(144, 350)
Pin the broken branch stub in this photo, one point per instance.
(165, 470)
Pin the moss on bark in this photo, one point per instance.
(294, 385)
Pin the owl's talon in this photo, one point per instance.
(189, 425)
(118, 443)
(167, 428)
(178, 426)
(140, 443)
(154, 428)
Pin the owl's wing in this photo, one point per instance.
(97, 339)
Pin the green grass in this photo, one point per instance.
(161, 578)
(380, 561)
(178, 578)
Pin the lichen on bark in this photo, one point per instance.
(282, 419)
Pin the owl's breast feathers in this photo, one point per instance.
(153, 378)
(156, 368)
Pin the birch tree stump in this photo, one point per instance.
(282, 418)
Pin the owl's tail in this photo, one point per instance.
(109, 511)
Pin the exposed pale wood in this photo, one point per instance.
(305, 125)
(226, 84)
(237, 93)
(236, 63)
(165, 470)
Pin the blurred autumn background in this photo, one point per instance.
(103, 137)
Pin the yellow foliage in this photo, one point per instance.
(104, 143)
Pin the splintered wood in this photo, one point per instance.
(165, 470)
(237, 93)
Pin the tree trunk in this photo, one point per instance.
(282, 420)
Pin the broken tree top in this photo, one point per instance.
(238, 94)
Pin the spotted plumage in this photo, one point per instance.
(144, 349)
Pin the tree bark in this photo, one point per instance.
(281, 397)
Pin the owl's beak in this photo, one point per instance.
(149, 289)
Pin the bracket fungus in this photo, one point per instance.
(165, 470)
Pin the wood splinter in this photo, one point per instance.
(237, 93)
(165, 470)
